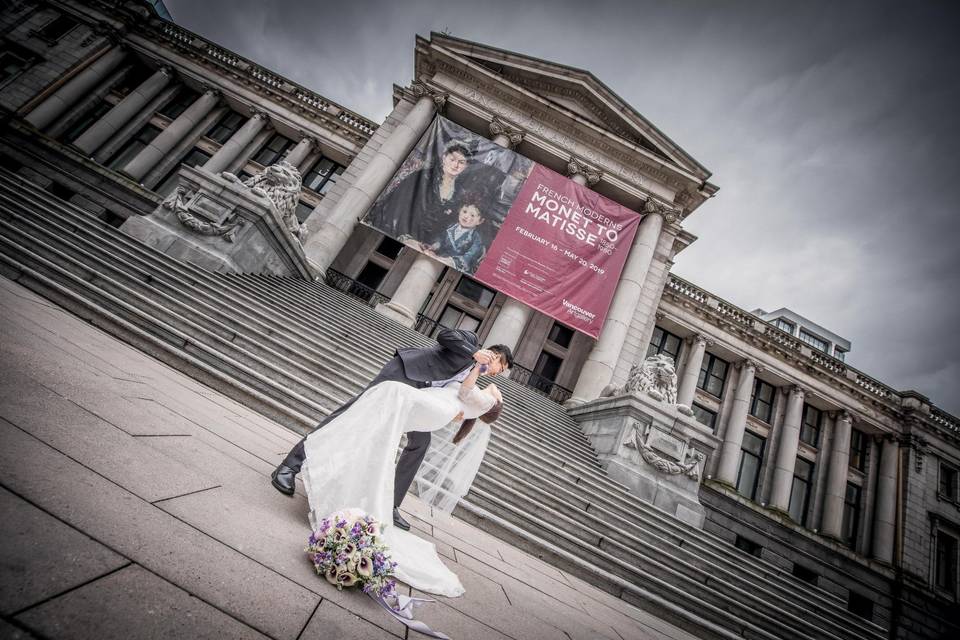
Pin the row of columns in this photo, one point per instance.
(786, 455)
(124, 112)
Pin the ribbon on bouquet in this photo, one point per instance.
(403, 612)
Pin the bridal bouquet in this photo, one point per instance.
(348, 551)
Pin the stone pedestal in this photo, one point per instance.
(221, 225)
(652, 448)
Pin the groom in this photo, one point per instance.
(449, 361)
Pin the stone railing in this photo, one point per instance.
(685, 290)
(266, 77)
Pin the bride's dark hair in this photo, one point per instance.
(489, 417)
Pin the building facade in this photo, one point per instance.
(831, 474)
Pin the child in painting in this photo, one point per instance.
(461, 245)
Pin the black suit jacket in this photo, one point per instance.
(452, 354)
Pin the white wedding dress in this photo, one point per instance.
(350, 463)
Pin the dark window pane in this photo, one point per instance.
(745, 544)
(560, 335)
(783, 325)
(323, 169)
(751, 455)
(761, 405)
(304, 209)
(664, 342)
(475, 291)
(851, 514)
(805, 574)
(860, 605)
(272, 151)
(192, 159)
(179, 103)
(810, 429)
(713, 374)
(704, 416)
(226, 127)
(948, 482)
(332, 180)
(946, 562)
(800, 491)
(86, 121)
(57, 28)
(548, 366)
(389, 247)
(371, 275)
(11, 63)
(132, 147)
(813, 341)
(858, 450)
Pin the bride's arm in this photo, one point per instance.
(469, 383)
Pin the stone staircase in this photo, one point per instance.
(293, 350)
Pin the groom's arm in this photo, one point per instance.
(463, 343)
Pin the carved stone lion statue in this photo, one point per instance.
(280, 183)
(655, 376)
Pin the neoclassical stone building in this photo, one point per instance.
(823, 470)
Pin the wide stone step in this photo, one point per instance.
(616, 536)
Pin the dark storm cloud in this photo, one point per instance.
(830, 128)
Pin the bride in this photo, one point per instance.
(350, 463)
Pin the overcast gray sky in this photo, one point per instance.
(830, 127)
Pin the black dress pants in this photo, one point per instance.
(417, 441)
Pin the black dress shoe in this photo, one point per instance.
(284, 479)
(398, 520)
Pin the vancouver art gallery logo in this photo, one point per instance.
(510, 223)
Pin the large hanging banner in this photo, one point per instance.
(509, 223)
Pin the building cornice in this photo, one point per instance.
(270, 85)
(568, 132)
(902, 406)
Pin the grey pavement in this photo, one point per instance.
(136, 504)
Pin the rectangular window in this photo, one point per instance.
(226, 126)
(751, 547)
(547, 367)
(948, 482)
(56, 29)
(560, 335)
(322, 171)
(475, 291)
(179, 103)
(133, 146)
(11, 64)
(751, 455)
(704, 415)
(810, 429)
(273, 150)
(946, 562)
(814, 341)
(169, 182)
(389, 247)
(851, 514)
(664, 342)
(304, 209)
(761, 404)
(713, 374)
(800, 492)
(783, 325)
(86, 121)
(839, 354)
(858, 449)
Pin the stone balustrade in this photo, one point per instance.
(687, 293)
(266, 77)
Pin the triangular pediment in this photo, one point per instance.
(577, 92)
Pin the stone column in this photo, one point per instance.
(831, 524)
(787, 451)
(691, 371)
(154, 152)
(509, 324)
(736, 425)
(413, 290)
(597, 371)
(885, 517)
(236, 143)
(323, 245)
(61, 99)
(124, 111)
(299, 153)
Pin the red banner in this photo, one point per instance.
(510, 223)
(560, 250)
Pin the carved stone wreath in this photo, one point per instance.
(691, 462)
(175, 202)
